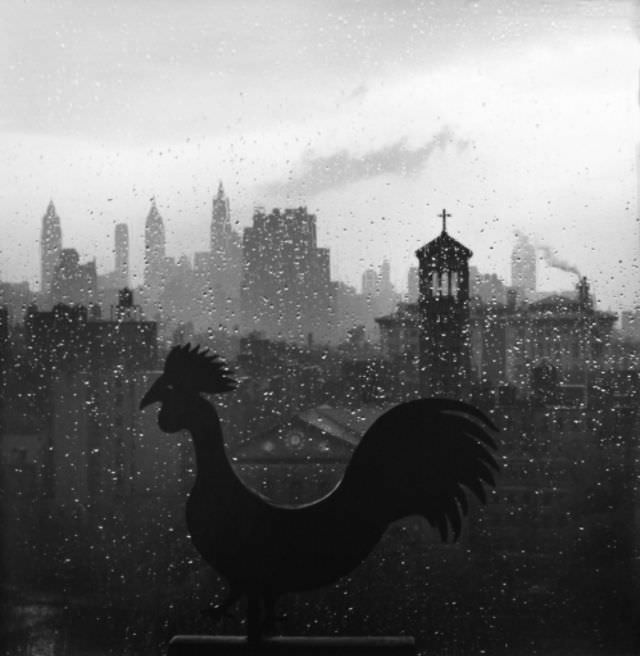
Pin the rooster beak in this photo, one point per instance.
(153, 394)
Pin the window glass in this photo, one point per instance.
(356, 205)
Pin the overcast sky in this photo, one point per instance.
(376, 115)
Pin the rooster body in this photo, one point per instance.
(417, 458)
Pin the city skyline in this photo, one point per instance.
(545, 256)
(368, 213)
(514, 118)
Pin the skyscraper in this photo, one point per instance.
(370, 283)
(286, 291)
(412, 285)
(122, 255)
(154, 258)
(225, 265)
(50, 249)
(74, 283)
(523, 267)
(221, 233)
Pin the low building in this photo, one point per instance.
(509, 340)
(303, 459)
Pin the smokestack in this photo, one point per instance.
(584, 296)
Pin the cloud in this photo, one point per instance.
(316, 174)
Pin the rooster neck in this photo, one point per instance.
(212, 465)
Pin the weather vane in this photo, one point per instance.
(419, 457)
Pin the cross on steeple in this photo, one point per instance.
(444, 215)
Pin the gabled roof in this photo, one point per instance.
(349, 425)
(325, 432)
(444, 249)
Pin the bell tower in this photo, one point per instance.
(445, 353)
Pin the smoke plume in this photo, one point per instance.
(317, 174)
(554, 261)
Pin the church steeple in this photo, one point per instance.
(445, 357)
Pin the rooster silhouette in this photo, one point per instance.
(416, 459)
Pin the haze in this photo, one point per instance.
(514, 116)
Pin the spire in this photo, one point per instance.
(50, 249)
(50, 220)
(154, 215)
(220, 189)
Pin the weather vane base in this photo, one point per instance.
(198, 645)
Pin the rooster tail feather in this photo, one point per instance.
(418, 458)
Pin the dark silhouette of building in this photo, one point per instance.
(445, 363)
(50, 250)
(74, 283)
(508, 342)
(570, 333)
(4, 361)
(302, 458)
(16, 297)
(82, 373)
(286, 290)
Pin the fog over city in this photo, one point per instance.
(515, 116)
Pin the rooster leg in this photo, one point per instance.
(221, 611)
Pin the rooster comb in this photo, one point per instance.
(199, 370)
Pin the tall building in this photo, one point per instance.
(286, 290)
(445, 349)
(221, 234)
(523, 267)
(154, 259)
(50, 248)
(412, 285)
(488, 288)
(74, 283)
(370, 283)
(90, 374)
(386, 288)
(122, 255)
(379, 296)
(225, 269)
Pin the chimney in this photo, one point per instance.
(584, 297)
